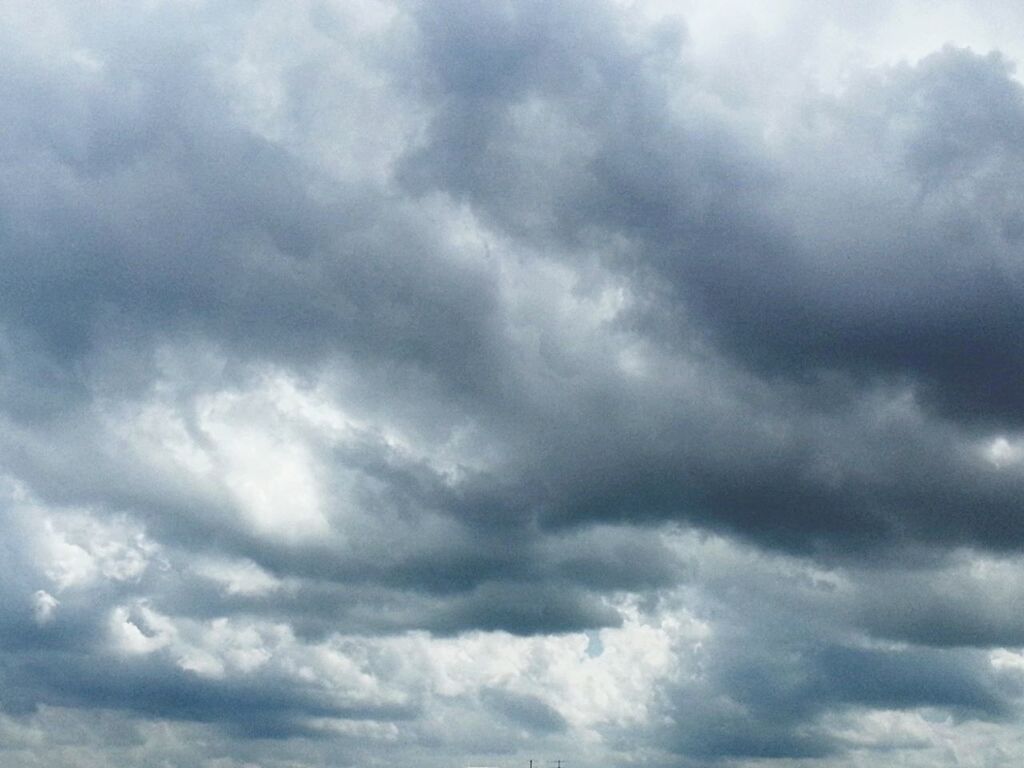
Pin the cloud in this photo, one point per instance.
(391, 380)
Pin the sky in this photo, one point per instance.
(441, 383)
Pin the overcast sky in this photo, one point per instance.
(448, 383)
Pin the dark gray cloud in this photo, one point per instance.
(828, 272)
(897, 263)
(766, 702)
(147, 214)
(528, 711)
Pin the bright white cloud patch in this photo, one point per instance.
(78, 548)
(1002, 453)
(44, 606)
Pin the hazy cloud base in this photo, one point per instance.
(450, 382)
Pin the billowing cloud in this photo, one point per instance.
(629, 383)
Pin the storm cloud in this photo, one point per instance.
(628, 383)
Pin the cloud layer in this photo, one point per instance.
(393, 382)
